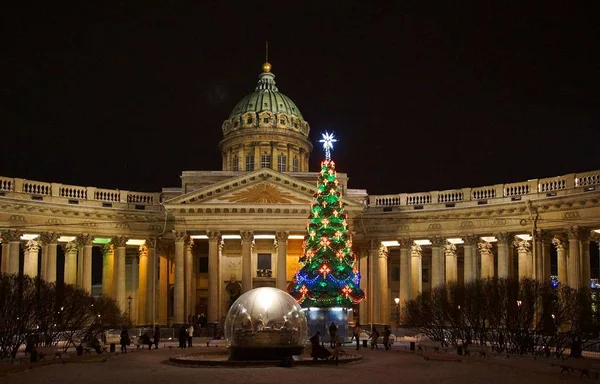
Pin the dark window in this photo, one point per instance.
(249, 121)
(395, 273)
(264, 261)
(203, 265)
(282, 122)
(425, 278)
(266, 120)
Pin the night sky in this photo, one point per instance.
(122, 95)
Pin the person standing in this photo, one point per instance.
(386, 337)
(124, 340)
(374, 337)
(182, 337)
(332, 334)
(190, 332)
(356, 334)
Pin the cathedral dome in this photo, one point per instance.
(266, 107)
(265, 129)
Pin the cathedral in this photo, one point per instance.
(193, 249)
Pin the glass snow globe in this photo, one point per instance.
(265, 324)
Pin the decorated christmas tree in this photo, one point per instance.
(328, 275)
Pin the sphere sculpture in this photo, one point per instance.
(265, 324)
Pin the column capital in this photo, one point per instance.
(416, 250)
(578, 233)
(522, 245)
(281, 235)
(560, 242)
(107, 249)
(69, 247)
(143, 250)
(437, 241)
(450, 249)
(32, 245)
(504, 237)
(383, 252)
(179, 235)
(213, 235)
(485, 247)
(151, 242)
(246, 235)
(119, 241)
(471, 239)
(85, 239)
(405, 242)
(595, 237)
(189, 244)
(544, 237)
(47, 238)
(11, 236)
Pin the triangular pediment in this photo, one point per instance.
(261, 187)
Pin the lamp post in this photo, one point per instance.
(129, 299)
(397, 301)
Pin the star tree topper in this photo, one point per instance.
(328, 139)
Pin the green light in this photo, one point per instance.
(101, 240)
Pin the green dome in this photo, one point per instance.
(266, 97)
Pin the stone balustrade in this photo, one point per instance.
(495, 194)
(74, 194)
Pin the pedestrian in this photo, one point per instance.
(124, 340)
(190, 332)
(332, 334)
(318, 351)
(182, 337)
(156, 337)
(356, 334)
(374, 337)
(337, 350)
(386, 337)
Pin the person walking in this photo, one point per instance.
(374, 337)
(156, 337)
(356, 334)
(386, 337)
(190, 332)
(124, 340)
(332, 335)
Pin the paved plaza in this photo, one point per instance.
(377, 366)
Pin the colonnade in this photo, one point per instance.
(479, 261)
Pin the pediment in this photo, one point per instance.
(261, 187)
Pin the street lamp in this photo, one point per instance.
(397, 300)
(129, 299)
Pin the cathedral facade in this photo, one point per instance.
(173, 254)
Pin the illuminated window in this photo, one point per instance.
(250, 163)
(281, 163)
(236, 163)
(265, 161)
(295, 164)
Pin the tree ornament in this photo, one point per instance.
(324, 270)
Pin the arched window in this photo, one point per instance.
(281, 163)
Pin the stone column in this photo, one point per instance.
(134, 285)
(487, 259)
(179, 292)
(120, 243)
(247, 237)
(503, 254)
(151, 282)
(523, 247)
(142, 290)
(363, 268)
(451, 263)
(5, 253)
(30, 262)
(437, 262)
(470, 257)
(596, 238)
(108, 267)
(574, 269)
(382, 272)
(561, 245)
(546, 241)
(416, 270)
(85, 240)
(405, 275)
(373, 282)
(14, 240)
(188, 272)
(70, 250)
(50, 242)
(586, 270)
(282, 238)
(214, 239)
